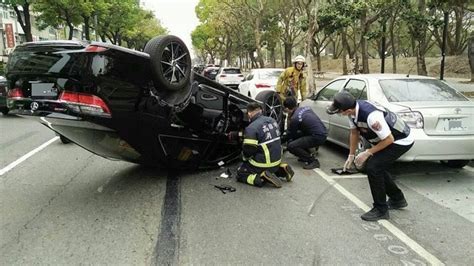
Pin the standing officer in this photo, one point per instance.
(262, 151)
(292, 80)
(305, 131)
(390, 138)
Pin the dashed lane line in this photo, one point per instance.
(430, 258)
(26, 156)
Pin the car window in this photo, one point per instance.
(413, 90)
(357, 88)
(328, 92)
(269, 74)
(231, 71)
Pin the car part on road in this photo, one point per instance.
(223, 188)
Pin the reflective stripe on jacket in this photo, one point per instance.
(263, 133)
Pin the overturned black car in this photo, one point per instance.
(147, 108)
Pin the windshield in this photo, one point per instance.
(271, 74)
(419, 90)
(231, 71)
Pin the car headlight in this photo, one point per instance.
(413, 119)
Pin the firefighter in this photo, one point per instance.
(262, 151)
(292, 81)
(390, 138)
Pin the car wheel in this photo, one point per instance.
(272, 104)
(5, 111)
(170, 61)
(64, 140)
(455, 163)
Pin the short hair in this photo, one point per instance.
(289, 102)
(253, 106)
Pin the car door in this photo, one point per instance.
(322, 100)
(244, 86)
(339, 124)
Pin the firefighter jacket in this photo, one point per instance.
(290, 82)
(304, 122)
(398, 127)
(262, 145)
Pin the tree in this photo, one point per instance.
(58, 12)
(144, 30)
(22, 10)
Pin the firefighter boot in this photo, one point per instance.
(271, 178)
(285, 171)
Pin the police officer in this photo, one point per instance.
(305, 131)
(262, 151)
(292, 80)
(390, 138)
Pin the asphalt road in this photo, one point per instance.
(64, 205)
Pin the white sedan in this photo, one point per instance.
(441, 118)
(258, 80)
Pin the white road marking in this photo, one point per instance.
(385, 223)
(347, 176)
(467, 167)
(26, 156)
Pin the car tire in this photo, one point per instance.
(455, 163)
(170, 62)
(272, 106)
(5, 111)
(64, 140)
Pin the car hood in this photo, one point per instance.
(441, 117)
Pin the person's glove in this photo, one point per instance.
(362, 157)
(348, 162)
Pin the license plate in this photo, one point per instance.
(454, 124)
(43, 90)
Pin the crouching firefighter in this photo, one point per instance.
(262, 151)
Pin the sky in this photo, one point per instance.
(177, 16)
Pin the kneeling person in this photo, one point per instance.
(262, 151)
(305, 131)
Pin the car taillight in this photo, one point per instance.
(15, 93)
(413, 119)
(262, 86)
(85, 103)
(95, 49)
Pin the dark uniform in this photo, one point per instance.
(380, 181)
(304, 132)
(261, 150)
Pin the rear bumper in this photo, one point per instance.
(428, 148)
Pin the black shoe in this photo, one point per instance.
(375, 215)
(397, 204)
(271, 178)
(311, 165)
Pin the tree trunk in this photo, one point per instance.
(288, 47)
(420, 62)
(273, 57)
(344, 51)
(470, 52)
(26, 24)
(71, 31)
(392, 43)
(87, 28)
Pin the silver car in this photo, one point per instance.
(441, 118)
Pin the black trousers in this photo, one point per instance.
(299, 147)
(380, 181)
(247, 173)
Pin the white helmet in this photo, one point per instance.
(299, 58)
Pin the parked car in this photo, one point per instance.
(230, 76)
(3, 96)
(441, 119)
(210, 72)
(260, 79)
(143, 107)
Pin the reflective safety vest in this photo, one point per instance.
(264, 133)
(398, 127)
